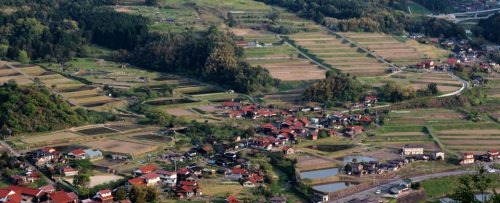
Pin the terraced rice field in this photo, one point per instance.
(8, 74)
(341, 55)
(282, 61)
(387, 47)
(419, 80)
(477, 139)
(123, 147)
(75, 92)
(432, 125)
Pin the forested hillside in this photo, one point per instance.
(35, 109)
(490, 28)
(367, 16)
(59, 30)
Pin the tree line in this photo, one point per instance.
(35, 109)
(368, 16)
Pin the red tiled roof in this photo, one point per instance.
(451, 61)
(366, 119)
(232, 199)
(168, 173)
(231, 104)
(25, 190)
(267, 125)
(305, 121)
(369, 97)
(189, 183)
(15, 198)
(77, 152)
(136, 181)
(68, 169)
(150, 176)
(103, 192)
(185, 188)
(468, 153)
(4, 192)
(60, 197)
(47, 188)
(183, 171)
(238, 171)
(148, 168)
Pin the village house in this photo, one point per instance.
(77, 154)
(235, 174)
(370, 100)
(412, 149)
(288, 150)
(62, 197)
(151, 179)
(168, 177)
(43, 156)
(145, 169)
(425, 64)
(232, 105)
(26, 194)
(253, 180)
(104, 196)
(467, 158)
(69, 171)
(231, 199)
(352, 131)
(188, 189)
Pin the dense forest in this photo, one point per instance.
(58, 30)
(490, 28)
(441, 6)
(337, 87)
(367, 16)
(35, 109)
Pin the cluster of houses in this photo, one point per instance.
(245, 177)
(411, 153)
(181, 182)
(49, 194)
(51, 159)
(470, 158)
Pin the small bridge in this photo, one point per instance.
(465, 16)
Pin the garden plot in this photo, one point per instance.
(471, 140)
(387, 47)
(121, 147)
(419, 80)
(7, 74)
(51, 137)
(341, 55)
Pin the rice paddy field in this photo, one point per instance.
(438, 129)
(419, 80)
(338, 53)
(281, 60)
(8, 74)
(401, 53)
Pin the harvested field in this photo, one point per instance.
(81, 93)
(405, 134)
(150, 137)
(96, 131)
(50, 137)
(472, 132)
(387, 47)
(100, 179)
(122, 147)
(179, 112)
(87, 100)
(339, 54)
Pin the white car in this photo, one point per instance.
(491, 170)
(378, 191)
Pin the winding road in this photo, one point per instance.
(371, 191)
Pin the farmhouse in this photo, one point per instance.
(288, 150)
(370, 100)
(412, 149)
(62, 197)
(351, 131)
(467, 158)
(104, 196)
(69, 171)
(232, 105)
(26, 194)
(168, 177)
(146, 169)
(77, 154)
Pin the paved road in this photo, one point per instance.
(371, 191)
(465, 85)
